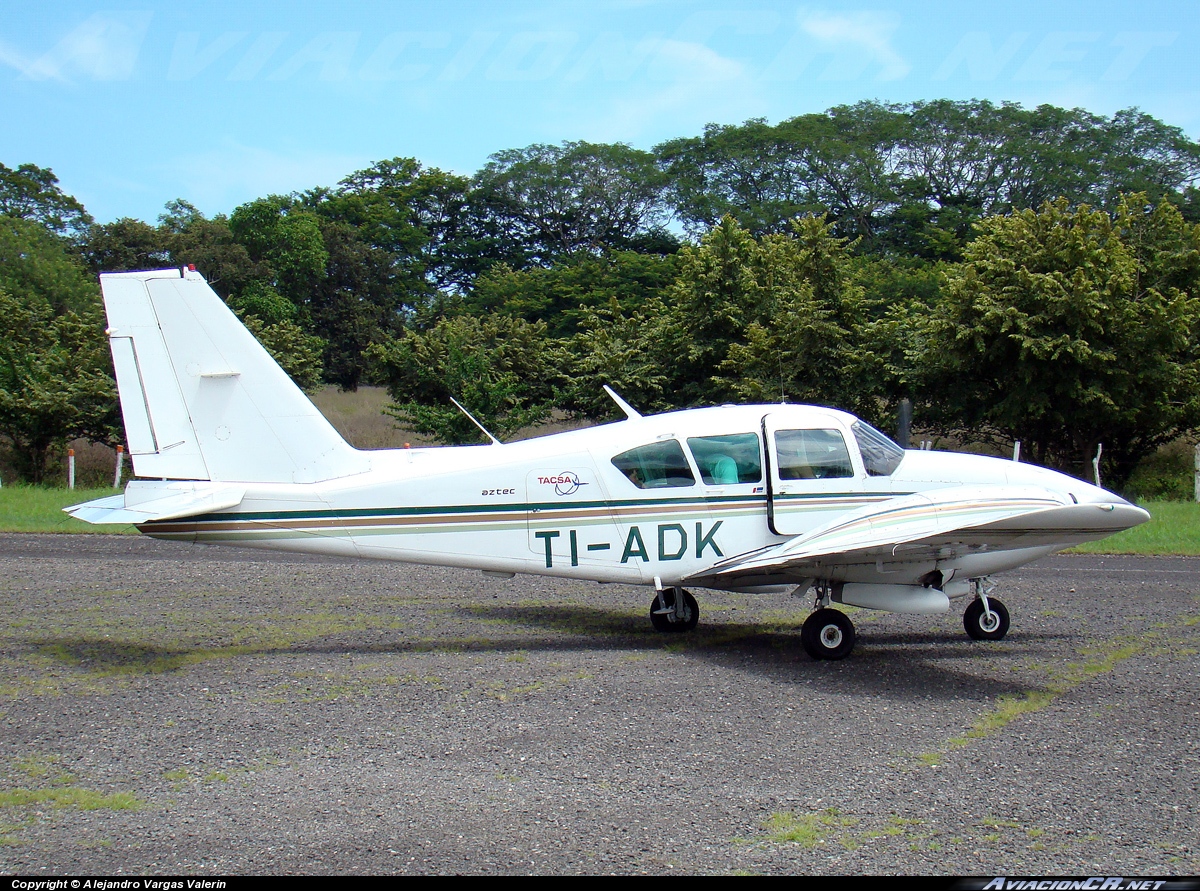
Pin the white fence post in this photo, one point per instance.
(1017, 450)
(120, 463)
(70, 468)
(1197, 459)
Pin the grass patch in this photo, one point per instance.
(807, 830)
(70, 797)
(1098, 660)
(1174, 528)
(39, 509)
(1008, 709)
(43, 768)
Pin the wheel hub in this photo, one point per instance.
(831, 636)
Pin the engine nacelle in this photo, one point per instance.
(894, 598)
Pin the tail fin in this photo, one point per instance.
(202, 399)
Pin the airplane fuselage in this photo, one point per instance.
(561, 506)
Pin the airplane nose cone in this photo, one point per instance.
(1119, 514)
(1131, 513)
(1123, 515)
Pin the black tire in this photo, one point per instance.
(828, 634)
(977, 624)
(666, 621)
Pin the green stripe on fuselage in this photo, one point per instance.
(503, 517)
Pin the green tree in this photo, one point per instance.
(497, 367)
(780, 316)
(32, 193)
(55, 370)
(558, 295)
(355, 303)
(285, 239)
(125, 244)
(298, 353)
(417, 216)
(839, 163)
(633, 350)
(913, 179)
(807, 341)
(552, 202)
(719, 292)
(55, 381)
(33, 261)
(1070, 328)
(898, 292)
(209, 245)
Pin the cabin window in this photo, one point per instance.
(727, 460)
(880, 455)
(659, 465)
(812, 455)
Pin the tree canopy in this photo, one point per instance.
(32, 193)
(56, 378)
(1017, 272)
(1066, 328)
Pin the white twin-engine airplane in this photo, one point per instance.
(756, 498)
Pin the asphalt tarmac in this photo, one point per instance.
(171, 708)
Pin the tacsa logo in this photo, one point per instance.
(565, 483)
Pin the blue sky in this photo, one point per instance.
(223, 102)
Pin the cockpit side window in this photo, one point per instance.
(727, 460)
(880, 455)
(812, 455)
(658, 465)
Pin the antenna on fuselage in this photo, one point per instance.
(475, 422)
(631, 413)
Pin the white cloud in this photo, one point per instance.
(103, 47)
(685, 61)
(866, 35)
(14, 58)
(689, 85)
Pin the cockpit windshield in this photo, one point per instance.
(880, 455)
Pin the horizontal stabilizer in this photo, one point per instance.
(171, 501)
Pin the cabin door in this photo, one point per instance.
(811, 476)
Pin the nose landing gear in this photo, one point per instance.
(985, 618)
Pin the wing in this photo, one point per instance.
(939, 525)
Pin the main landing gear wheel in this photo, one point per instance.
(828, 634)
(981, 625)
(665, 617)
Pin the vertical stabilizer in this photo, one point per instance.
(201, 398)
